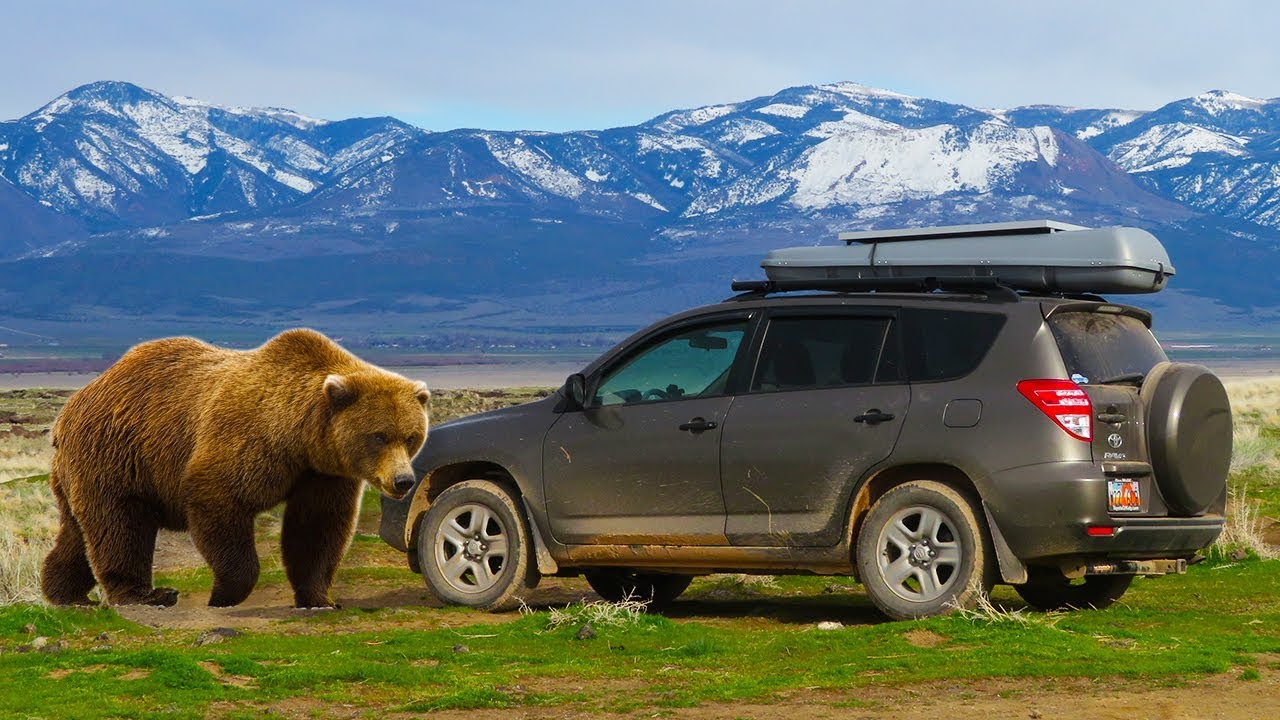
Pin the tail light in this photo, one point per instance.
(1064, 402)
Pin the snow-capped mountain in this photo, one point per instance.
(135, 179)
(115, 155)
(1216, 152)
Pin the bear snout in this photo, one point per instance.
(402, 483)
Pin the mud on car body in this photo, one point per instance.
(931, 436)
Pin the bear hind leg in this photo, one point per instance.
(122, 553)
(66, 577)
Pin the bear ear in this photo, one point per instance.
(421, 392)
(339, 391)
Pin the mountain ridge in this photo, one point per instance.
(115, 170)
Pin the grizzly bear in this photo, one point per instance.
(182, 435)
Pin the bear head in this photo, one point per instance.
(377, 423)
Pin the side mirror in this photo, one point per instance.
(574, 392)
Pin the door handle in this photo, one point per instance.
(873, 417)
(1111, 418)
(698, 425)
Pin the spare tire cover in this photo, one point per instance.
(1188, 421)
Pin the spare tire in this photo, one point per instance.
(1188, 420)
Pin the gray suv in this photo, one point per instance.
(931, 438)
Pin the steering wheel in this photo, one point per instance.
(655, 393)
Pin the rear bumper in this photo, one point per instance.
(1043, 511)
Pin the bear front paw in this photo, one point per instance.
(320, 603)
(162, 597)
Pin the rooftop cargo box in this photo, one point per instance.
(1036, 256)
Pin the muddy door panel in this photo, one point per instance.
(637, 474)
(825, 403)
(790, 460)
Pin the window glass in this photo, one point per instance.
(814, 352)
(1100, 346)
(947, 344)
(691, 363)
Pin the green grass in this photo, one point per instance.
(731, 638)
(1215, 619)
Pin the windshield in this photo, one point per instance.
(1101, 346)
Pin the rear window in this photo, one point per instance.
(946, 344)
(1098, 346)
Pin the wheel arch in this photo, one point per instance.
(442, 478)
(1012, 570)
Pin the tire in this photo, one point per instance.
(1048, 589)
(657, 590)
(922, 551)
(474, 547)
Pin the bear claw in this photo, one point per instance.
(162, 597)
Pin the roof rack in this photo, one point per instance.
(1038, 256)
(988, 286)
(1027, 227)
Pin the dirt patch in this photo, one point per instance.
(136, 675)
(216, 671)
(1219, 696)
(923, 638)
(61, 673)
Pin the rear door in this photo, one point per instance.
(825, 403)
(1109, 355)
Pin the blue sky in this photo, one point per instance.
(576, 65)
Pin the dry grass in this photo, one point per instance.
(1258, 398)
(598, 613)
(986, 612)
(22, 457)
(1255, 406)
(1245, 526)
(28, 522)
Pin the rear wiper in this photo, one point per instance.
(1134, 377)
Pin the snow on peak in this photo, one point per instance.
(857, 90)
(893, 163)
(284, 115)
(787, 110)
(1110, 121)
(678, 121)
(1170, 146)
(1216, 102)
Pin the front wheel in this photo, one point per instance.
(921, 551)
(654, 589)
(1048, 589)
(474, 548)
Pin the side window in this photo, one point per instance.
(691, 363)
(824, 351)
(946, 344)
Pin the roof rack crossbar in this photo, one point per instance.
(989, 286)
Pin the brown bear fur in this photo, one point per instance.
(183, 435)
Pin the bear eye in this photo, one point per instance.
(380, 438)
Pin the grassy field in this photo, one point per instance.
(732, 646)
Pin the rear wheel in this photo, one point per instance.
(474, 547)
(1048, 589)
(921, 551)
(654, 589)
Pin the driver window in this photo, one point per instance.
(691, 363)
